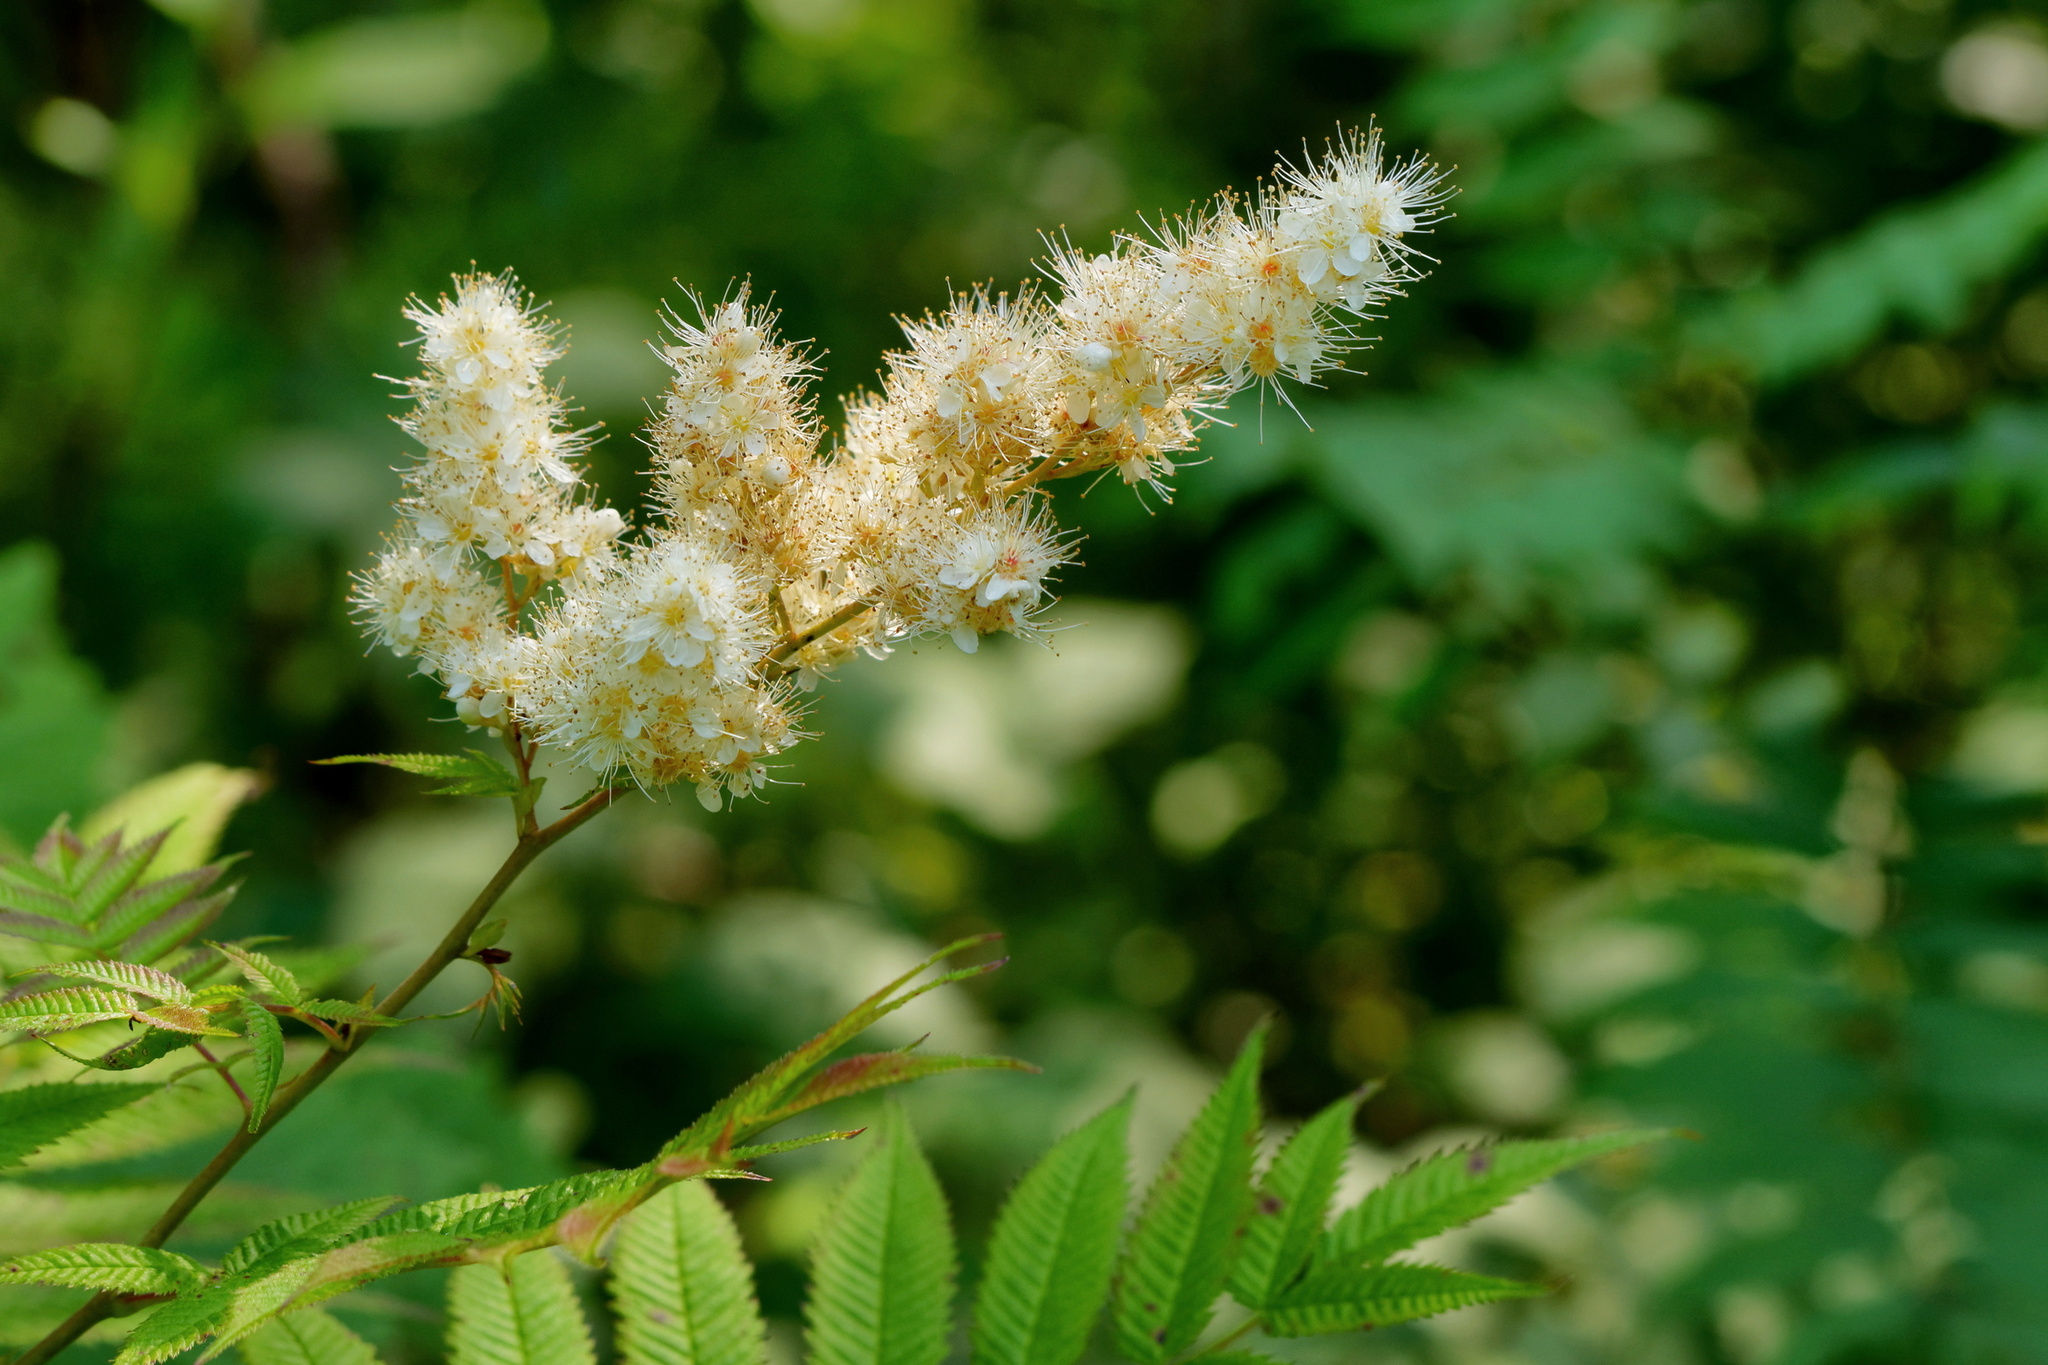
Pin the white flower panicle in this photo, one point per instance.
(490, 515)
(677, 657)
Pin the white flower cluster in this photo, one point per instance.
(674, 659)
(491, 514)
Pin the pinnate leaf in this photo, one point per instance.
(1452, 1188)
(1376, 1296)
(1291, 1206)
(67, 1008)
(306, 1337)
(1180, 1251)
(882, 1280)
(682, 1287)
(147, 982)
(266, 1058)
(112, 1266)
(263, 974)
(469, 773)
(520, 1312)
(1054, 1244)
(35, 1115)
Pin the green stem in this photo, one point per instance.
(452, 946)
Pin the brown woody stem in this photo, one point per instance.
(452, 946)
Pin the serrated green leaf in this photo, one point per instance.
(122, 976)
(266, 1058)
(1377, 1296)
(302, 1234)
(509, 1217)
(1452, 1188)
(112, 1266)
(469, 773)
(156, 916)
(262, 973)
(117, 867)
(882, 1280)
(1053, 1247)
(36, 1115)
(68, 1008)
(1236, 1358)
(681, 1286)
(1292, 1205)
(306, 1337)
(254, 1300)
(178, 1325)
(1179, 1254)
(523, 1312)
(346, 1012)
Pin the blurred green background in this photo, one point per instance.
(1628, 701)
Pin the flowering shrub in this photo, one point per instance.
(676, 655)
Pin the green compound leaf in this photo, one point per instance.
(265, 975)
(523, 1312)
(469, 773)
(1054, 1244)
(882, 1281)
(1291, 1206)
(1179, 1254)
(69, 1008)
(122, 976)
(1452, 1188)
(682, 1287)
(1348, 1300)
(37, 1115)
(266, 1058)
(306, 1337)
(112, 1266)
